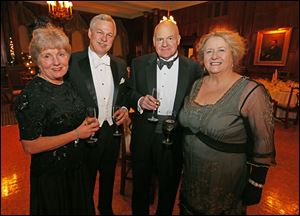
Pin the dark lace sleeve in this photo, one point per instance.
(259, 112)
(30, 113)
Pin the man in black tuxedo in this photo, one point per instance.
(100, 80)
(172, 75)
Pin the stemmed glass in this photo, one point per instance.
(169, 124)
(91, 113)
(115, 119)
(155, 95)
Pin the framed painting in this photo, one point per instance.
(272, 47)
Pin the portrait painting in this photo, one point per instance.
(272, 47)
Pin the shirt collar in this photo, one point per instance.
(97, 61)
(171, 58)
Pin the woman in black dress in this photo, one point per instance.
(52, 122)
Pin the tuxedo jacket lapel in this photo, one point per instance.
(181, 84)
(151, 74)
(115, 74)
(85, 70)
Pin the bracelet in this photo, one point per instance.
(77, 139)
(258, 165)
(255, 184)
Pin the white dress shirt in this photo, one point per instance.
(166, 84)
(104, 85)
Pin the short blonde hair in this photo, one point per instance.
(48, 38)
(103, 17)
(236, 42)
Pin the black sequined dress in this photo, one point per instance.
(59, 177)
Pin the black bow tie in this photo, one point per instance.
(161, 63)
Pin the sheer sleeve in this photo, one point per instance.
(259, 112)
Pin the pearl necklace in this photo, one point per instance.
(51, 81)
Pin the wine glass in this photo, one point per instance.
(91, 113)
(155, 95)
(168, 126)
(115, 120)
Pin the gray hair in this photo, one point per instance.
(103, 17)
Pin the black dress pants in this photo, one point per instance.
(165, 164)
(103, 158)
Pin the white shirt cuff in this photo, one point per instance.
(139, 109)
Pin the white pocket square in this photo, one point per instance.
(122, 81)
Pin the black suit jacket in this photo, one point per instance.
(80, 75)
(142, 80)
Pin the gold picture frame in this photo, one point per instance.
(272, 47)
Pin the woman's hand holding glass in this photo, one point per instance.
(87, 128)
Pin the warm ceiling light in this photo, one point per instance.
(60, 9)
(170, 18)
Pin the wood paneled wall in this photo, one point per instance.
(276, 14)
(247, 17)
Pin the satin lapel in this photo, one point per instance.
(181, 84)
(85, 69)
(150, 70)
(115, 74)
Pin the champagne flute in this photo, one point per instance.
(115, 120)
(169, 124)
(155, 95)
(91, 113)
